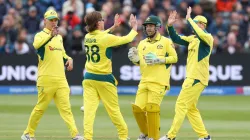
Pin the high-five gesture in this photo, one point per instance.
(133, 22)
(172, 18)
(189, 10)
(117, 21)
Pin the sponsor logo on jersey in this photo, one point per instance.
(54, 48)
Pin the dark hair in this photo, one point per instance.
(91, 19)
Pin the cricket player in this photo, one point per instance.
(197, 74)
(99, 82)
(155, 54)
(51, 81)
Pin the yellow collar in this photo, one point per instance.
(47, 31)
(158, 37)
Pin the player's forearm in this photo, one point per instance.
(171, 59)
(198, 31)
(175, 37)
(111, 29)
(130, 37)
(65, 56)
(126, 39)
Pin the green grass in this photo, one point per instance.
(225, 117)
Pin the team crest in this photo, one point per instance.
(159, 46)
(148, 19)
(53, 13)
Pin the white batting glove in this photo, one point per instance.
(151, 59)
(133, 55)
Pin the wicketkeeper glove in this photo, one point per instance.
(133, 55)
(152, 59)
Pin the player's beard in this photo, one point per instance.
(150, 35)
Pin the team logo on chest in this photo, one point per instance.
(159, 46)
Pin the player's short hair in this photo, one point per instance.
(91, 19)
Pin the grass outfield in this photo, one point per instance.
(226, 118)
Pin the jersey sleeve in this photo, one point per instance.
(201, 34)
(172, 55)
(113, 40)
(40, 41)
(181, 40)
(107, 31)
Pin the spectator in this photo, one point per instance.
(3, 10)
(29, 4)
(231, 45)
(225, 5)
(58, 4)
(21, 47)
(217, 48)
(76, 5)
(231, 16)
(151, 4)
(32, 23)
(182, 9)
(124, 18)
(17, 18)
(108, 16)
(66, 38)
(10, 33)
(197, 10)
(20, 11)
(144, 12)
(77, 43)
(72, 19)
(217, 27)
(2, 43)
(166, 5)
(97, 5)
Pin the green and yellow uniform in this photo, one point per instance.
(155, 81)
(51, 81)
(197, 76)
(99, 82)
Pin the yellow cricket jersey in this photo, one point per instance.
(52, 57)
(163, 48)
(98, 46)
(200, 46)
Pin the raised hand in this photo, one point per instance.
(117, 21)
(54, 31)
(189, 10)
(172, 18)
(133, 22)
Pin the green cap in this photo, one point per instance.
(153, 20)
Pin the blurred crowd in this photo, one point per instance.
(20, 20)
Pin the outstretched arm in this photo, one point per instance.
(117, 23)
(118, 40)
(173, 35)
(201, 34)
